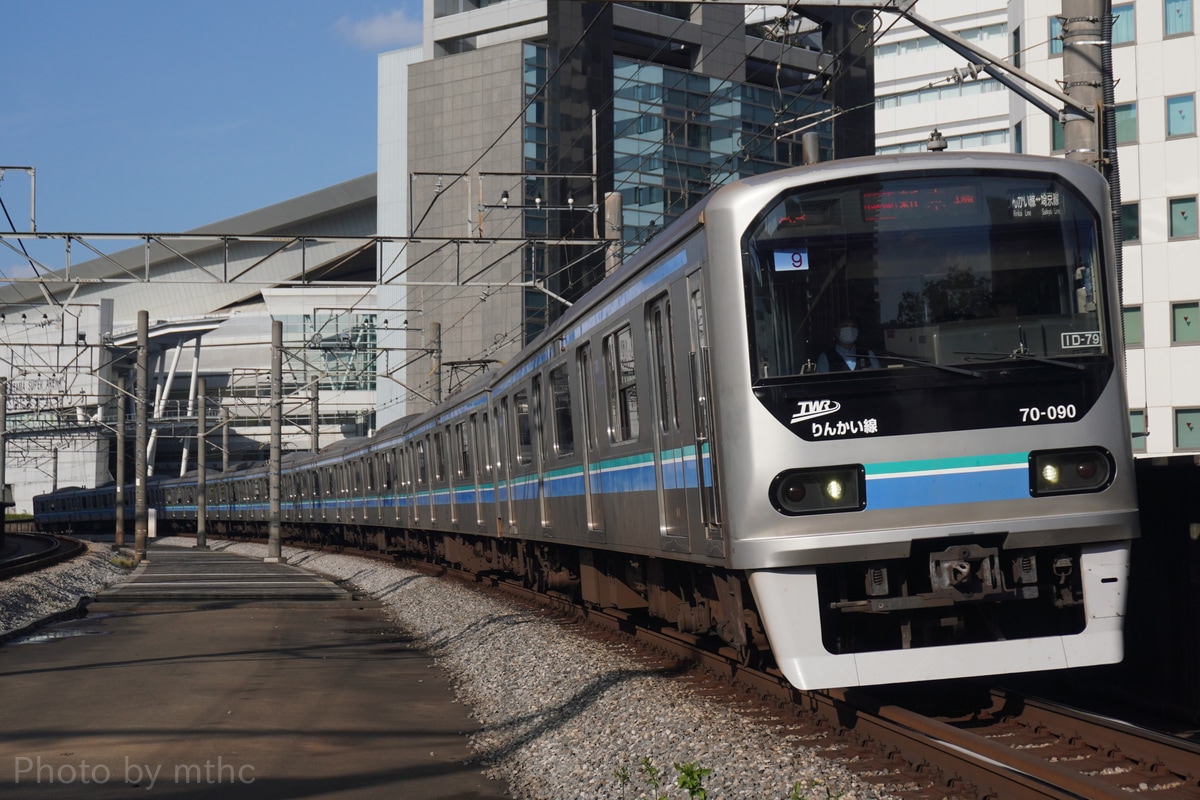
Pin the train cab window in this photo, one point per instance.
(622, 386)
(524, 430)
(560, 398)
(907, 270)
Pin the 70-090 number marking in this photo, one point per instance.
(1048, 413)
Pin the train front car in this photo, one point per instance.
(930, 475)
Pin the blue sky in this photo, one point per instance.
(161, 116)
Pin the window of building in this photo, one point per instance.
(1187, 428)
(1185, 326)
(1137, 427)
(1058, 136)
(1016, 47)
(445, 8)
(1018, 140)
(1177, 17)
(1181, 115)
(1131, 222)
(1124, 30)
(1126, 114)
(1182, 212)
(1133, 325)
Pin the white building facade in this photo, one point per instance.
(1156, 73)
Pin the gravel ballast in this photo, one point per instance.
(561, 716)
(32, 598)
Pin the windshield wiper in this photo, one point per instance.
(920, 363)
(1044, 360)
(1022, 351)
(1022, 355)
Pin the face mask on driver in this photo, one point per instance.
(847, 335)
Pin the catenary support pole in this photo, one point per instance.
(1083, 78)
(141, 516)
(3, 454)
(435, 352)
(276, 456)
(201, 467)
(119, 533)
(314, 416)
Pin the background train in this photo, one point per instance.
(686, 442)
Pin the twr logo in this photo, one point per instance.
(811, 409)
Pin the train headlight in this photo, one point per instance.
(819, 491)
(1070, 471)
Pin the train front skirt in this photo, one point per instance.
(789, 603)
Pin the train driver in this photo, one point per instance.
(846, 353)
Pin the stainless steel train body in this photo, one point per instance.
(685, 441)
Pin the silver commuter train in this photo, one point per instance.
(689, 442)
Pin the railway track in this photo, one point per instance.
(1005, 746)
(29, 552)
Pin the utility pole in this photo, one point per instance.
(276, 456)
(201, 476)
(141, 517)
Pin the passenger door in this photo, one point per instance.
(593, 477)
(678, 497)
(705, 465)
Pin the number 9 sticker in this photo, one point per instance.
(792, 259)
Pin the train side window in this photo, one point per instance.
(587, 384)
(503, 445)
(622, 386)
(665, 380)
(464, 450)
(422, 464)
(523, 430)
(485, 446)
(560, 399)
(439, 457)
